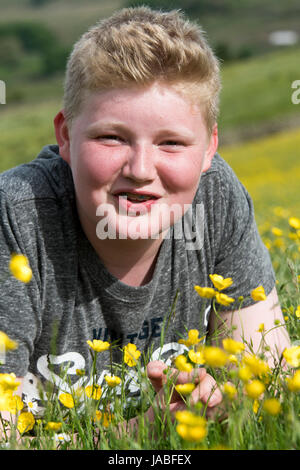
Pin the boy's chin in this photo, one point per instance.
(132, 229)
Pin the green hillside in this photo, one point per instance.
(256, 100)
(35, 40)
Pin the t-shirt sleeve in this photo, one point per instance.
(18, 301)
(241, 253)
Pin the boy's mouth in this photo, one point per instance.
(135, 203)
(135, 197)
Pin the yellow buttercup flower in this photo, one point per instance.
(131, 354)
(255, 406)
(53, 426)
(112, 380)
(245, 373)
(182, 364)
(185, 389)
(293, 382)
(205, 292)
(8, 382)
(233, 347)
(297, 311)
(277, 231)
(193, 338)
(6, 343)
(294, 222)
(196, 357)
(93, 391)
(191, 433)
(230, 390)
(224, 299)
(257, 366)
(104, 418)
(98, 345)
(233, 359)
(14, 404)
(19, 267)
(5, 397)
(272, 406)
(214, 356)
(26, 422)
(254, 389)
(261, 328)
(67, 400)
(189, 418)
(292, 356)
(258, 294)
(293, 236)
(219, 282)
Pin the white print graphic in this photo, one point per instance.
(74, 358)
(296, 94)
(159, 218)
(31, 395)
(206, 318)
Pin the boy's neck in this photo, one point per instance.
(131, 261)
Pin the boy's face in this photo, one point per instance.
(136, 157)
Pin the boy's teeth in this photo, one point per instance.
(136, 197)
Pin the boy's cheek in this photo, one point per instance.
(182, 181)
(97, 167)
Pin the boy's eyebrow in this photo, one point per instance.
(119, 126)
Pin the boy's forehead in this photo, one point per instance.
(120, 108)
(158, 90)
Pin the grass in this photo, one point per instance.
(67, 18)
(261, 412)
(256, 96)
(269, 168)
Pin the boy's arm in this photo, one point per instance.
(261, 320)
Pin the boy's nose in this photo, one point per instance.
(140, 165)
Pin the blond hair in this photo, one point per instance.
(139, 46)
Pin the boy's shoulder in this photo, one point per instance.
(219, 167)
(47, 176)
(222, 175)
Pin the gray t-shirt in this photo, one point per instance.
(73, 298)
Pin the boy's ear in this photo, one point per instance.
(211, 149)
(62, 135)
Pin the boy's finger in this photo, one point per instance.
(208, 392)
(196, 376)
(155, 372)
(156, 375)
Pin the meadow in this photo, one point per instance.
(261, 405)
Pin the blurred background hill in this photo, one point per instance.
(257, 41)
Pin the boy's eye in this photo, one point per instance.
(111, 138)
(172, 143)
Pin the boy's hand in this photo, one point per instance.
(206, 389)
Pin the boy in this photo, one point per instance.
(114, 219)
